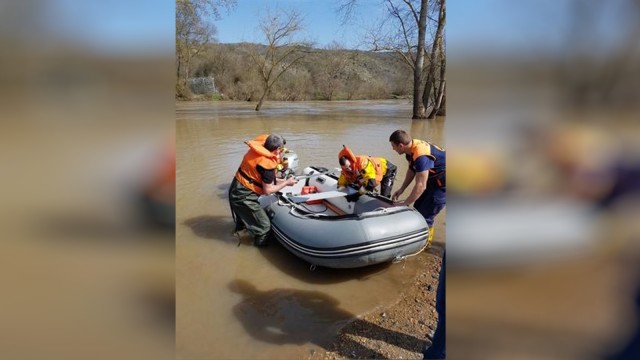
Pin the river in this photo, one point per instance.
(235, 301)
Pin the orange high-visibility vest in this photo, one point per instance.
(359, 164)
(435, 153)
(247, 173)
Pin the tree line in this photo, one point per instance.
(286, 67)
(332, 73)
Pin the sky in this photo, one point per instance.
(472, 23)
(148, 26)
(321, 20)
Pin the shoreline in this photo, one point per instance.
(398, 330)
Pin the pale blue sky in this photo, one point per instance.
(321, 20)
(140, 26)
(148, 26)
(503, 24)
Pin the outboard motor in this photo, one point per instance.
(290, 162)
(290, 158)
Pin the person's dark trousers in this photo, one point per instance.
(386, 184)
(431, 202)
(244, 204)
(236, 218)
(437, 350)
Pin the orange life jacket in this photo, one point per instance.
(261, 139)
(247, 173)
(420, 148)
(437, 154)
(359, 163)
(163, 184)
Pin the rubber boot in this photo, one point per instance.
(430, 238)
(261, 241)
(239, 226)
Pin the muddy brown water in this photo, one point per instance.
(237, 301)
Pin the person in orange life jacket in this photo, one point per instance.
(427, 166)
(257, 176)
(366, 172)
(158, 195)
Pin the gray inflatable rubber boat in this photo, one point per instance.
(339, 228)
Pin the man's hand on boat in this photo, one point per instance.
(290, 181)
(280, 183)
(400, 203)
(395, 197)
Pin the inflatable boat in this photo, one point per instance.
(339, 228)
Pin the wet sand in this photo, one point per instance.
(398, 330)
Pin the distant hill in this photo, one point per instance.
(322, 75)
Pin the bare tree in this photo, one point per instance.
(404, 32)
(282, 50)
(433, 92)
(193, 33)
(440, 107)
(421, 18)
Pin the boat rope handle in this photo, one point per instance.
(293, 212)
(398, 259)
(312, 267)
(292, 208)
